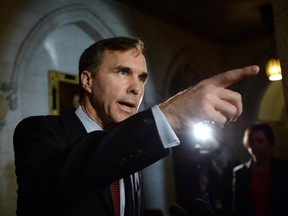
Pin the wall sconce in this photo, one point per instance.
(273, 70)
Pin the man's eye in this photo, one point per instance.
(123, 72)
(143, 78)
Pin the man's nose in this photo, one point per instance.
(135, 87)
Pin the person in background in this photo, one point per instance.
(220, 176)
(89, 161)
(260, 185)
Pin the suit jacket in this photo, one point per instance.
(279, 188)
(63, 170)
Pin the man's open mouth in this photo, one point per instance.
(127, 104)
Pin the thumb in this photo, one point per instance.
(230, 77)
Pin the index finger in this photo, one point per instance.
(230, 77)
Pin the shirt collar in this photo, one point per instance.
(88, 123)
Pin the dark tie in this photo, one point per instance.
(115, 192)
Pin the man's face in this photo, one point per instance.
(260, 144)
(118, 86)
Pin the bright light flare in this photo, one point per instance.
(203, 131)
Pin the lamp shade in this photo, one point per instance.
(273, 70)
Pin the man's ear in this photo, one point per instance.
(86, 80)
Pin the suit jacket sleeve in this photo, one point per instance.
(48, 152)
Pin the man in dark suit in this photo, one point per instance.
(66, 164)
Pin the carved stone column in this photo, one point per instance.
(8, 100)
(280, 10)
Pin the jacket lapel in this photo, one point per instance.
(75, 131)
(73, 126)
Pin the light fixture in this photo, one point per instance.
(273, 70)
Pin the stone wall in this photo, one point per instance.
(280, 8)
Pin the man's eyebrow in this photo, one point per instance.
(123, 67)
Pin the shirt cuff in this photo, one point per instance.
(167, 135)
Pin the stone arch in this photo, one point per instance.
(78, 14)
(184, 70)
(272, 105)
(273, 110)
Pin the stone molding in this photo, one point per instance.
(8, 100)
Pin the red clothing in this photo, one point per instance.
(260, 192)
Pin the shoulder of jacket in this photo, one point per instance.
(38, 119)
(245, 165)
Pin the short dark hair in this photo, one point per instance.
(91, 58)
(265, 127)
